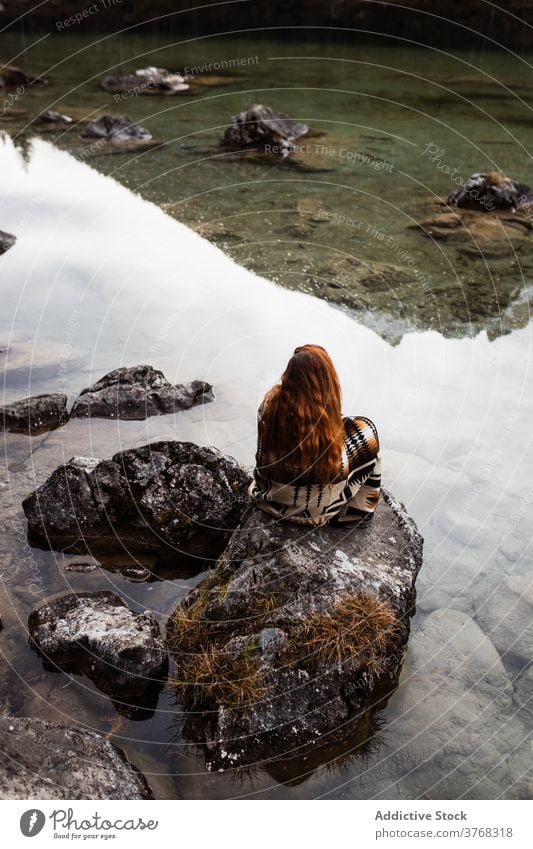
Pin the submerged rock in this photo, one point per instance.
(45, 761)
(21, 363)
(137, 392)
(115, 129)
(456, 689)
(357, 282)
(147, 81)
(36, 414)
(506, 615)
(165, 499)
(497, 235)
(260, 127)
(97, 635)
(11, 77)
(522, 694)
(281, 646)
(489, 191)
(7, 240)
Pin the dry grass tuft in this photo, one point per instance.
(495, 178)
(185, 630)
(207, 674)
(359, 629)
(213, 677)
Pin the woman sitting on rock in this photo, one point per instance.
(312, 464)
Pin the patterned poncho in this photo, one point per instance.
(353, 497)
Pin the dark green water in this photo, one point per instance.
(400, 126)
(454, 409)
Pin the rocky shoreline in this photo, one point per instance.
(282, 644)
(132, 393)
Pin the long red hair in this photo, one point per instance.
(301, 428)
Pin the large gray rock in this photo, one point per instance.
(137, 392)
(262, 128)
(35, 414)
(280, 647)
(98, 635)
(163, 499)
(7, 240)
(45, 761)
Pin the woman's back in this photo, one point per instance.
(313, 464)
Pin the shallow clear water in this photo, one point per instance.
(101, 277)
(400, 125)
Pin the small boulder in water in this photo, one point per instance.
(162, 500)
(7, 240)
(137, 392)
(53, 117)
(489, 191)
(114, 128)
(261, 128)
(150, 80)
(36, 414)
(96, 634)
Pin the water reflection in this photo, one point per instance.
(101, 278)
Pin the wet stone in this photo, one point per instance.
(41, 760)
(149, 80)
(259, 126)
(7, 240)
(138, 392)
(116, 129)
(276, 586)
(165, 499)
(96, 634)
(36, 414)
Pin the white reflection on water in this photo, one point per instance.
(101, 275)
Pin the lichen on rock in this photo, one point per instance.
(165, 499)
(280, 647)
(98, 635)
(41, 760)
(137, 392)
